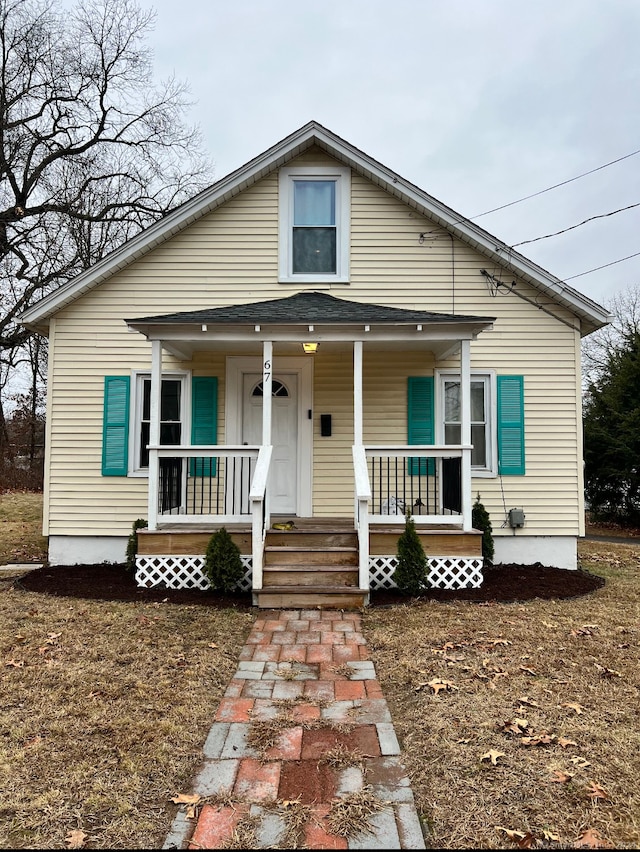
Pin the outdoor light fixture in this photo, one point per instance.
(310, 348)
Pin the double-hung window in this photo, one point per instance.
(483, 454)
(314, 224)
(172, 408)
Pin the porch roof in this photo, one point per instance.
(310, 307)
(309, 316)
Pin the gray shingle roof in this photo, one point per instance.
(310, 307)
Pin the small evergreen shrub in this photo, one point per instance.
(132, 543)
(481, 521)
(222, 564)
(411, 574)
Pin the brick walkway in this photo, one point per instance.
(306, 672)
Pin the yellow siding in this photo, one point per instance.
(231, 256)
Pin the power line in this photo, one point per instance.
(572, 227)
(556, 185)
(604, 266)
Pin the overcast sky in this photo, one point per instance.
(478, 102)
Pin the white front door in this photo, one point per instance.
(283, 479)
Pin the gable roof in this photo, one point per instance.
(591, 315)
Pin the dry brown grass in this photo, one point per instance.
(105, 710)
(21, 523)
(485, 697)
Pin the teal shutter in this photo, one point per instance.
(115, 426)
(511, 461)
(420, 421)
(204, 421)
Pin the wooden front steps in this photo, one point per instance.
(308, 568)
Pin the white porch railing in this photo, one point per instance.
(212, 484)
(432, 480)
(361, 513)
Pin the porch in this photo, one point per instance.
(324, 560)
(317, 561)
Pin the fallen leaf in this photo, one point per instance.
(595, 791)
(52, 638)
(438, 685)
(524, 839)
(15, 664)
(463, 741)
(515, 726)
(572, 705)
(76, 839)
(493, 756)
(605, 672)
(564, 742)
(549, 835)
(592, 839)
(529, 702)
(190, 800)
(537, 739)
(495, 642)
(561, 777)
(528, 671)
(580, 762)
(186, 799)
(212, 645)
(512, 833)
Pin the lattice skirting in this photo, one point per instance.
(444, 572)
(181, 572)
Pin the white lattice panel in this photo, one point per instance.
(181, 572)
(444, 572)
(455, 572)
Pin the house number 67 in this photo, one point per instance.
(267, 370)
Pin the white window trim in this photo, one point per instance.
(489, 376)
(135, 413)
(342, 177)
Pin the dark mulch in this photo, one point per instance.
(502, 583)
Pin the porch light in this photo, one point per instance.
(310, 348)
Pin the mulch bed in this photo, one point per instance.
(502, 584)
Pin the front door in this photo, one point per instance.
(283, 479)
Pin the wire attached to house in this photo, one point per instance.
(555, 186)
(573, 227)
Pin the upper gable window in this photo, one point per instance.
(314, 224)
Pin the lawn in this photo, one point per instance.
(519, 722)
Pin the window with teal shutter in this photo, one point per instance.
(511, 458)
(420, 425)
(204, 421)
(115, 426)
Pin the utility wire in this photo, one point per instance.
(572, 227)
(556, 185)
(604, 266)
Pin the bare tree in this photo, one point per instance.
(599, 347)
(92, 150)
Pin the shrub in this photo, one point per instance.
(481, 521)
(132, 543)
(411, 575)
(222, 563)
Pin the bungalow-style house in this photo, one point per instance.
(316, 343)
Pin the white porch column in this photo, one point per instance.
(154, 433)
(267, 383)
(465, 438)
(357, 392)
